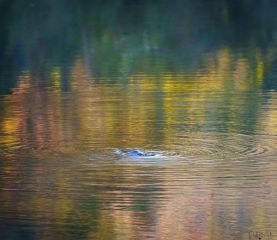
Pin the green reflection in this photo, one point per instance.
(124, 38)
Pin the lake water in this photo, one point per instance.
(195, 82)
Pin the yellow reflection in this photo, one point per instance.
(98, 111)
(56, 78)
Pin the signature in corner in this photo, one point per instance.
(255, 235)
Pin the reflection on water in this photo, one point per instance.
(193, 81)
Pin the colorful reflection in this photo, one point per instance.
(148, 75)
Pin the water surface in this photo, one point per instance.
(193, 82)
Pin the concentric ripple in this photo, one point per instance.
(235, 146)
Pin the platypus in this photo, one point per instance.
(134, 153)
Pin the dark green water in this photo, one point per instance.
(194, 81)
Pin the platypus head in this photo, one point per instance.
(136, 152)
